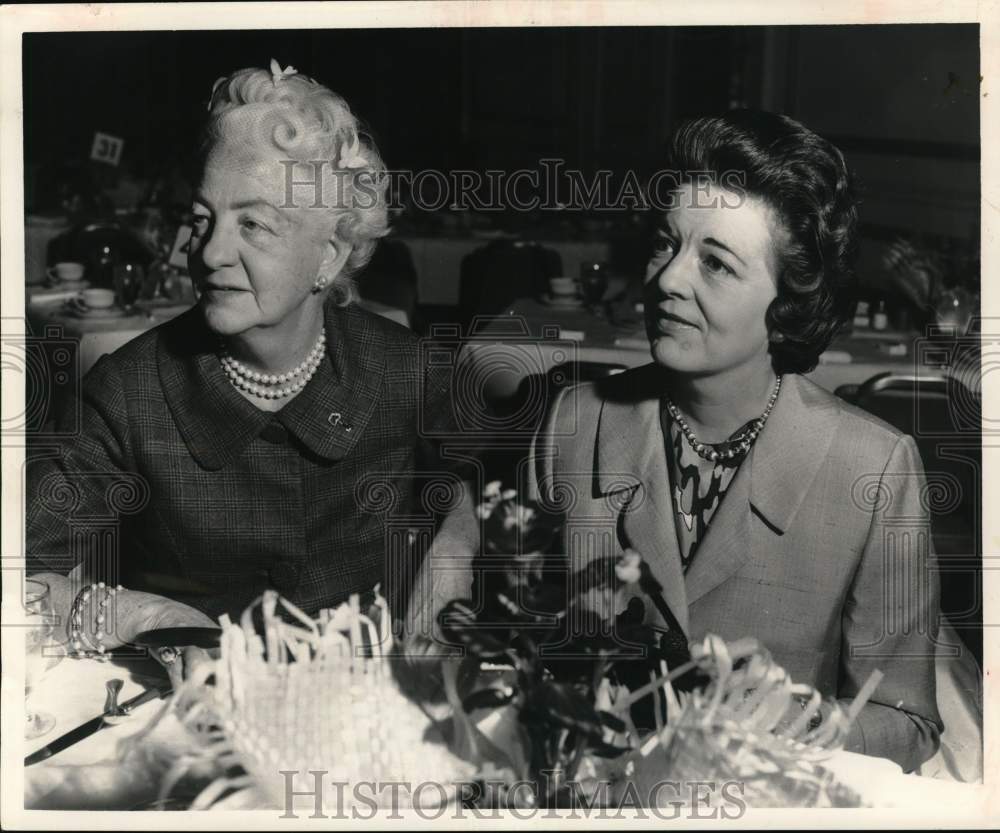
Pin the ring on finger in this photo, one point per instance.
(168, 655)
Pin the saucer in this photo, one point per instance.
(81, 310)
(66, 286)
(561, 300)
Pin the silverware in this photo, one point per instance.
(114, 688)
(95, 724)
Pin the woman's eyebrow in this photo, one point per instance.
(256, 203)
(711, 241)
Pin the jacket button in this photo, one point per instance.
(275, 433)
(284, 577)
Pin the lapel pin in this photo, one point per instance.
(336, 418)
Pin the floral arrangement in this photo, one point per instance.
(552, 690)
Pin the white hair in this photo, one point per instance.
(314, 125)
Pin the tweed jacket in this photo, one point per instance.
(821, 547)
(168, 480)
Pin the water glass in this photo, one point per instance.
(593, 281)
(39, 624)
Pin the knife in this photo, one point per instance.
(95, 724)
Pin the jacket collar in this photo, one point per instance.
(773, 480)
(217, 423)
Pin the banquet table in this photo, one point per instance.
(49, 318)
(92, 775)
(533, 336)
(73, 692)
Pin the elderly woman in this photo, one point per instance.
(245, 445)
(764, 505)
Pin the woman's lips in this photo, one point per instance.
(668, 322)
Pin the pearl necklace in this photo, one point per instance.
(738, 446)
(270, 385)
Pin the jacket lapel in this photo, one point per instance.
(772, 482)
(630, 448)
(631, 464)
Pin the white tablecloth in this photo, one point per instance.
(89, 774)
(48, 318)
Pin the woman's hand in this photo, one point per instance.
(157, 612)
(182, 663)
(137, 612)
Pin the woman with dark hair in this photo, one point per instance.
(764, 505)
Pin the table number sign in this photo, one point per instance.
(107, 148)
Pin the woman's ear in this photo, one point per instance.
(334, 260)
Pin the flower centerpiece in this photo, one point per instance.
(557, 691)
(552, 699)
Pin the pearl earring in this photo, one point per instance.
(777, 336)
(319, 286)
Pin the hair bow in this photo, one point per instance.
(277, 73)
(350, 157)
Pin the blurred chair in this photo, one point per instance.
(525, 411)
(390, 280)
(497, 274)
(944, 418)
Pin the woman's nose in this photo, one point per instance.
(674, 278)
(217, 248)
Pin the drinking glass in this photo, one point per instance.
(593, 282)
(128, 280)
(39, 627)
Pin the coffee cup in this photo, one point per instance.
(97, 298)
(67, 271)
(563, 286)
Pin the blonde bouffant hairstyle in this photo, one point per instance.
(314, 126)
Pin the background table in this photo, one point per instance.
(49, 318)
(533, 337)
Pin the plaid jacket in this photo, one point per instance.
(168, 480)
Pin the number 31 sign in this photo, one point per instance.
(107, 148)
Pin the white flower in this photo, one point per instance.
(509, 494)
(492, 489)
(627, 568)
(519, 516)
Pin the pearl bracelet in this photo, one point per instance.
(77, 634)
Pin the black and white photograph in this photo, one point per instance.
(497, 413)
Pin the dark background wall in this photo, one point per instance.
(902, 100)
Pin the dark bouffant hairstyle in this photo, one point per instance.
(804, 179)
